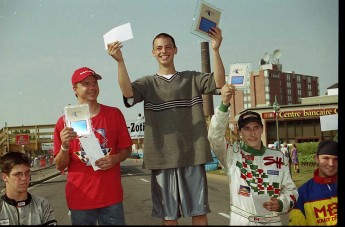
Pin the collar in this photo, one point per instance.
(323, 180)
(17, 203)
(253, 151)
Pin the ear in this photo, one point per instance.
(4, 177)
(75, 89)
(153, 53)
(175, 50)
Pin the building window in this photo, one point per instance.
(298, 78)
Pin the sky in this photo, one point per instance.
(42, 42)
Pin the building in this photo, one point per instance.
(297, 123)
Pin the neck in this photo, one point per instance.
(94, 109)
(17, 196)
(166, 70)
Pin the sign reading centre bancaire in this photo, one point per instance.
(136, 128)
(301, 113)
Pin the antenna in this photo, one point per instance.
(277, 54)
(266, 57)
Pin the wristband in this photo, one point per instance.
(64, 149)
(223, 107)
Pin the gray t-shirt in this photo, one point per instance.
(175, 126)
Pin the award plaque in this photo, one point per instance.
(78, 118)
(206, 16)
(239, 75)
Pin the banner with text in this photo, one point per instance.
(47, 146)
(22, 139)
(136, 128)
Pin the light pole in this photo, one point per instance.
(276, 108)
(139, 119)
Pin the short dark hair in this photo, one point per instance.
(163, 35)
(9, 160)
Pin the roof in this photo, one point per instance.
(333, 86)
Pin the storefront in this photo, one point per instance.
(298, 123)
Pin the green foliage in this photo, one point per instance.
(307, 148)
(307, 160)
(306, 153)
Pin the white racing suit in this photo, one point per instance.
(252, 175)
(35, 210)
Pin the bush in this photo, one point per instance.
(306, 153)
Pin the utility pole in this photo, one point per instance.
(206, 68)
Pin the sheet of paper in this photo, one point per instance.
(92, 149)
(120, 33)
(259, 201)
(329, 122)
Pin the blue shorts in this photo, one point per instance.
(111, 215)
(179, 191)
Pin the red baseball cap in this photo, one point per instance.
(83, 72)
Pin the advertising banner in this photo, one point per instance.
(22, 139)
(136, 128)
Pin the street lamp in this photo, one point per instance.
(276, 108)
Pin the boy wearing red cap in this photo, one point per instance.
(93, 196)
(317, 203)
(259, 179)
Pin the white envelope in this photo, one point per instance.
(92, 149)
(120, 33)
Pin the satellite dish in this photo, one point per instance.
(266, 57)
(277, 54)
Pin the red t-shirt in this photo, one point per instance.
(86, 188)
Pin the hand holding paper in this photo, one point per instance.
(92, 149)
(120, 33)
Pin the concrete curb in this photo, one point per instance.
(33, 183)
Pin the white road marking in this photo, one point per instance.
(144, 180)
(225, 215)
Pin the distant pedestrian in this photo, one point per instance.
(286, 151)
(294, 158)
(18, 206)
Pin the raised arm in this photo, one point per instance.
(218, 67)
(219, 123)
(114, 50)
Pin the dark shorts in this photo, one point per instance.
(179, 191)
